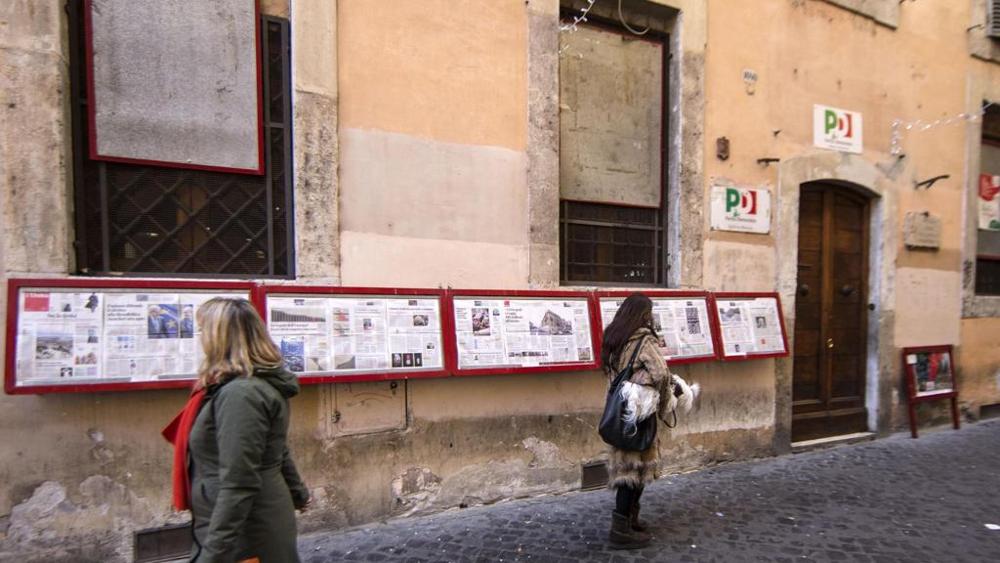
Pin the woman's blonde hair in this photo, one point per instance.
(234, 341)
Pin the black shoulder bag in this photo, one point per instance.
(613, 429)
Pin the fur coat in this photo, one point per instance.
(651, 391)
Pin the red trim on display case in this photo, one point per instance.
(88, 31)
(653, 294)
(14, 287)
(313, 290)
(452, 347)
(722, 296)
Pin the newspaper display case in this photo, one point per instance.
(750, 325)
(332, 334)
(90, 335)
(521, 331)
(685, 321)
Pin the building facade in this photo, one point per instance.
(513, 145)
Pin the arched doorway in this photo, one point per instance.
(830, 374)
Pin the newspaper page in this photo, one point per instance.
(734, 324)
(301, 328)
(414, 333)
(766, 325)
(141, 335)
(59, 336)
(479, 332)
(682, 324)
(522, 332)
(189, 333)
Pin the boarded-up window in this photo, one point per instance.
(611, 86)
(175, 83)
(146, 219)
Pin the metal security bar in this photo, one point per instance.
(149, 220)
(611, 244)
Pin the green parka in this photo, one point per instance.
(244, 485)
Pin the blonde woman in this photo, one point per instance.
(242, 486)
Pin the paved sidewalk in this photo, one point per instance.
(895, 499)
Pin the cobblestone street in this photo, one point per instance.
(895, 499)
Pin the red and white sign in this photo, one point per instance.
(837, 129)
(746, 210)
(989, 202)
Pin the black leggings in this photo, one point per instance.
(626, 498)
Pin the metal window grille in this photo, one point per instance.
(149, 220)
(993, 18)
(611, 244)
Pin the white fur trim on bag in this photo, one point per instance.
(641, 402)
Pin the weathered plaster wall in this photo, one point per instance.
(434, 128)
(978, 363)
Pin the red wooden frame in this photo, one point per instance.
(263, 291)
(92, 105)
(14, 287)
(660, 293)
(452, 344)
(911, 386)
(740, 295)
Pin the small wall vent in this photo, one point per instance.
(594, 475)
(169, 543)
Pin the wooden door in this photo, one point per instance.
(831, 306)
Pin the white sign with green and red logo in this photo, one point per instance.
(747, 210)
(837, 129)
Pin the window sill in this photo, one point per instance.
(981, 306)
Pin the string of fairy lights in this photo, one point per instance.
(572, 26)
(899, 126)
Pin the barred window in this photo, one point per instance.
(612, 169)
(152, 220)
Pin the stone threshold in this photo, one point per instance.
(831, 441)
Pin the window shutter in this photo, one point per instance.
(993, 18)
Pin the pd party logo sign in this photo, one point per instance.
(837, 129)
(746, 210)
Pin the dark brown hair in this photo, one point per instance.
(636, 312)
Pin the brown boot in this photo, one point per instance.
(637, 525)
(622, 535)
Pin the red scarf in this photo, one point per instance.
(177, 433)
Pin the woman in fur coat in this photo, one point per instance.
(651, 393)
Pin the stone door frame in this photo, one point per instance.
(856, 172)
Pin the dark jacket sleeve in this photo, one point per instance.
(300, 494)
(242, 422)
